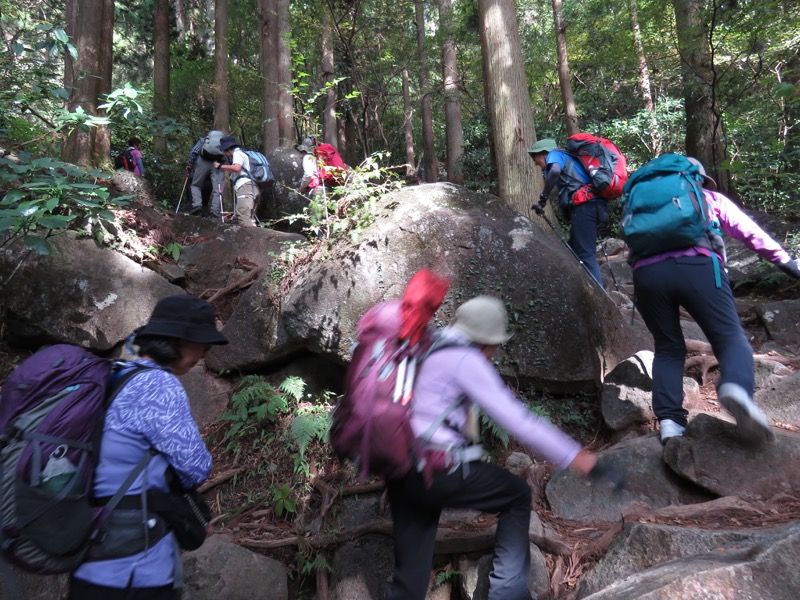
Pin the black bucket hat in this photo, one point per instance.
(184, 317)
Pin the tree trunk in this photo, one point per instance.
(644, 79)
(285, 104)
(704, 129)
(161, 62)
(86, 76)
(101, 153)
(790, 115)
(570, 113)
(268, 64)
(181, 22)
(509, 104)
(452, 106)
(222, 112)
(428, 147)
(408, 126)
(329, 133)
(644, 73)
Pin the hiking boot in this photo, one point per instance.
(670, 429)
(751, 423)
(196, 211)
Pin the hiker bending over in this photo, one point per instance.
(687, 278)
(244, 188)
(567, 174)
(151, 412)
(207, 181)
(452, 474)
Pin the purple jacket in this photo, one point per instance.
(456, 371)
(151, 411)
(738, 225)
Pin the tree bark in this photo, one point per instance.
(704, 127)
(509, 104)
(644, 79)
(644, 73)
(161, 67)
(268, 64)
(222, 112)
(329, 132)
(570, 112)
(86, 77)
(428, 147)
(408, 126)
(452, 106)
(285, 104)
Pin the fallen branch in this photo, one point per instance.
(239, 284)
(448, 540)
(221, 478)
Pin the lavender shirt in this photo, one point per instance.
(738, 225)
(453, 372)
(151, 411)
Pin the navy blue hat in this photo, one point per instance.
(184, 317)
(227, 142)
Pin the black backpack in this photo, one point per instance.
(124, 160)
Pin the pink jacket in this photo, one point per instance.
(736, 224)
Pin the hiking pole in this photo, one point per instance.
(566, 243)
(221, 206)
(185, 181)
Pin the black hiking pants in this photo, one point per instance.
(479, 486)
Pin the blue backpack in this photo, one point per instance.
(663, 207)
(260, 171)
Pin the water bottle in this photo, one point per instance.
(59, 471)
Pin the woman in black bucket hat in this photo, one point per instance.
(140, 558)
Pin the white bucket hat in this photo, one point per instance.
(483, 320)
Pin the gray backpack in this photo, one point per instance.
(211, 144)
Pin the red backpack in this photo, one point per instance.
(371, 424)
(606, 165)
(331, 164)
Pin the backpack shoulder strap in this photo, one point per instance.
(440, 344)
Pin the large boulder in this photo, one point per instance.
(80, 293)
(568, 333)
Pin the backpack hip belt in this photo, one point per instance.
(436, 459)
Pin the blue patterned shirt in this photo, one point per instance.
(151, 411)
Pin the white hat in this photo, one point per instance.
(483, 320)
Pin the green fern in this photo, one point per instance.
(294, 386)
(309, 424)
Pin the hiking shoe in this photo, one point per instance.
(751, 423)
(670, 429)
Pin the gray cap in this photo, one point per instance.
(483, 320)
(708, 182)
(308, 145)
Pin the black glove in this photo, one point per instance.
(613, 474)
(539, 208)
(791, 267)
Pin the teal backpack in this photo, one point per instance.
(664, 209)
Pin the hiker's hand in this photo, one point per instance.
(613, 474)
(186, 172)
(217, 165)
(791, 267)
(539, 208)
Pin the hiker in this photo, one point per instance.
(567, 174)
(687, 277)
(452, 473)
(310, 181)
(135, 147)
(152, 412)
(244, 188)
(206, 180)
